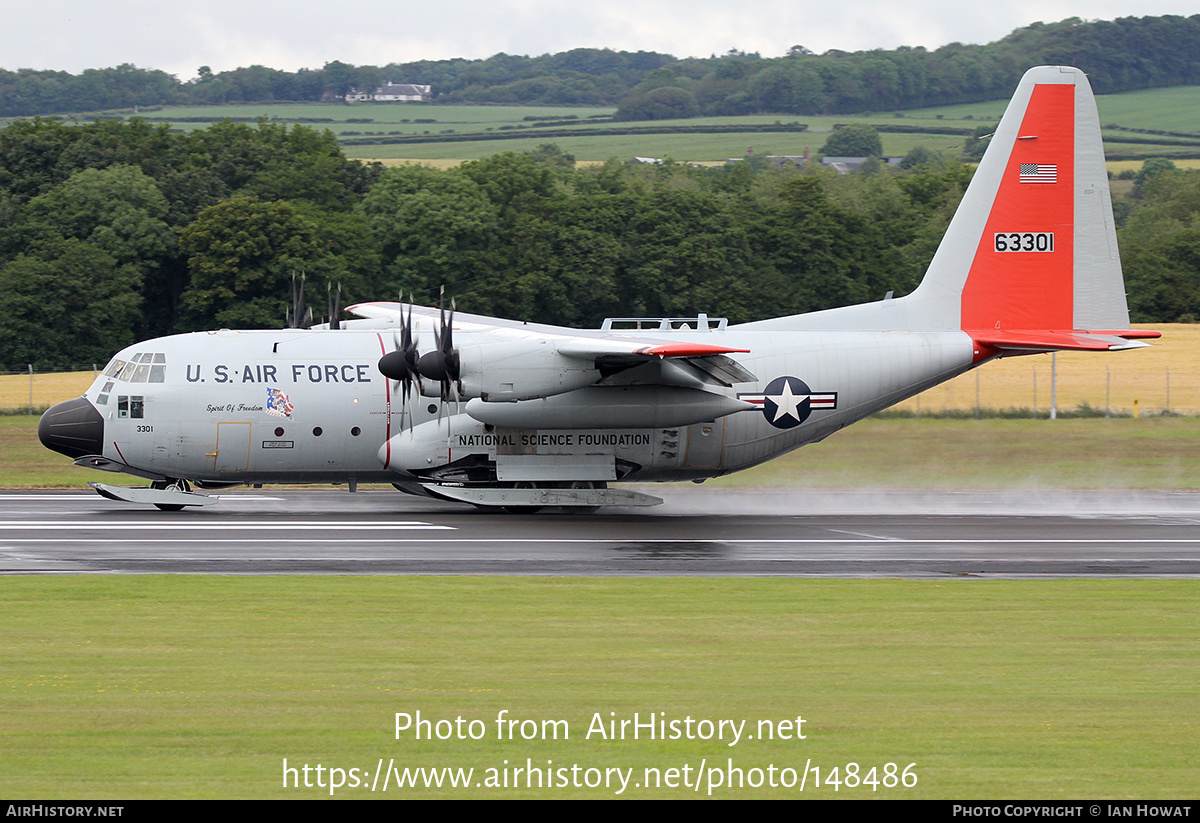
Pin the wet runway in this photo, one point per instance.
(697, 532)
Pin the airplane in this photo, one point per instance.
(514, 415)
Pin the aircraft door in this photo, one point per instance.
(705, 444)
(232, 453)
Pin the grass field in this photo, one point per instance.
(1167, 109)
(1164, 109)
(158, 686)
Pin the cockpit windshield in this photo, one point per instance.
(143, 367)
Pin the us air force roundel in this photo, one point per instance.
(788, 401)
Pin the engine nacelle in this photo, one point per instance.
(518, 370)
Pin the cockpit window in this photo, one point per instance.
(144, 367)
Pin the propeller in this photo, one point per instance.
(442, 363)
(400, 364)
(335, 306)
(298, 317)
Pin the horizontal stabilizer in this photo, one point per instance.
(1029, 342)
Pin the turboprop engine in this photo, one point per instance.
(502, 365)
(513, 370)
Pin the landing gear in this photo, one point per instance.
(523, 509)
(170, 485)
(525, 497)
(574, 485)
(586, 484)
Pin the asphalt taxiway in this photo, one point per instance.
(697, 532)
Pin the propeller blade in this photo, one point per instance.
(299, 317)
(404, 362)
(335, 305)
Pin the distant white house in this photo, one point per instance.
(392, 92)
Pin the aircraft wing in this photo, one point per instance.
(463, 321)
(622, 352)
(610, 352)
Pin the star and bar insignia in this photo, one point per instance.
(788, 401)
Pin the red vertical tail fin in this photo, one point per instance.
(1030, 260)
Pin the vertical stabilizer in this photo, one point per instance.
(1032, 246)
(1029, 262)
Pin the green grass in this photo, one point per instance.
(1166, 109)
(26, 463)
(681, 147)
(381, 112)
(186, 686)
(1169, 109)
(1081, 454)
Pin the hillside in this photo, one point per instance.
(1120, 55)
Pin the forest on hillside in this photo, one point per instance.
(1120, 55)
(112, 232)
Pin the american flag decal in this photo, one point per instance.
(278, 404)
(1038, 173)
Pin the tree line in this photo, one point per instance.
(1120, 55)
(112, 232)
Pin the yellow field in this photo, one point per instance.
(1141, 375)
(1118, 166)
(1017, 382)
(48, 389)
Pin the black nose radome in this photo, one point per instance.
(73, 428)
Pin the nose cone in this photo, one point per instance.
(73, 428)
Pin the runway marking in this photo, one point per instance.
(237, 498)
(173, 525)
(613, 540)
(864, 534)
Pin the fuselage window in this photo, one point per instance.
(158, 374)
(131, 407)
